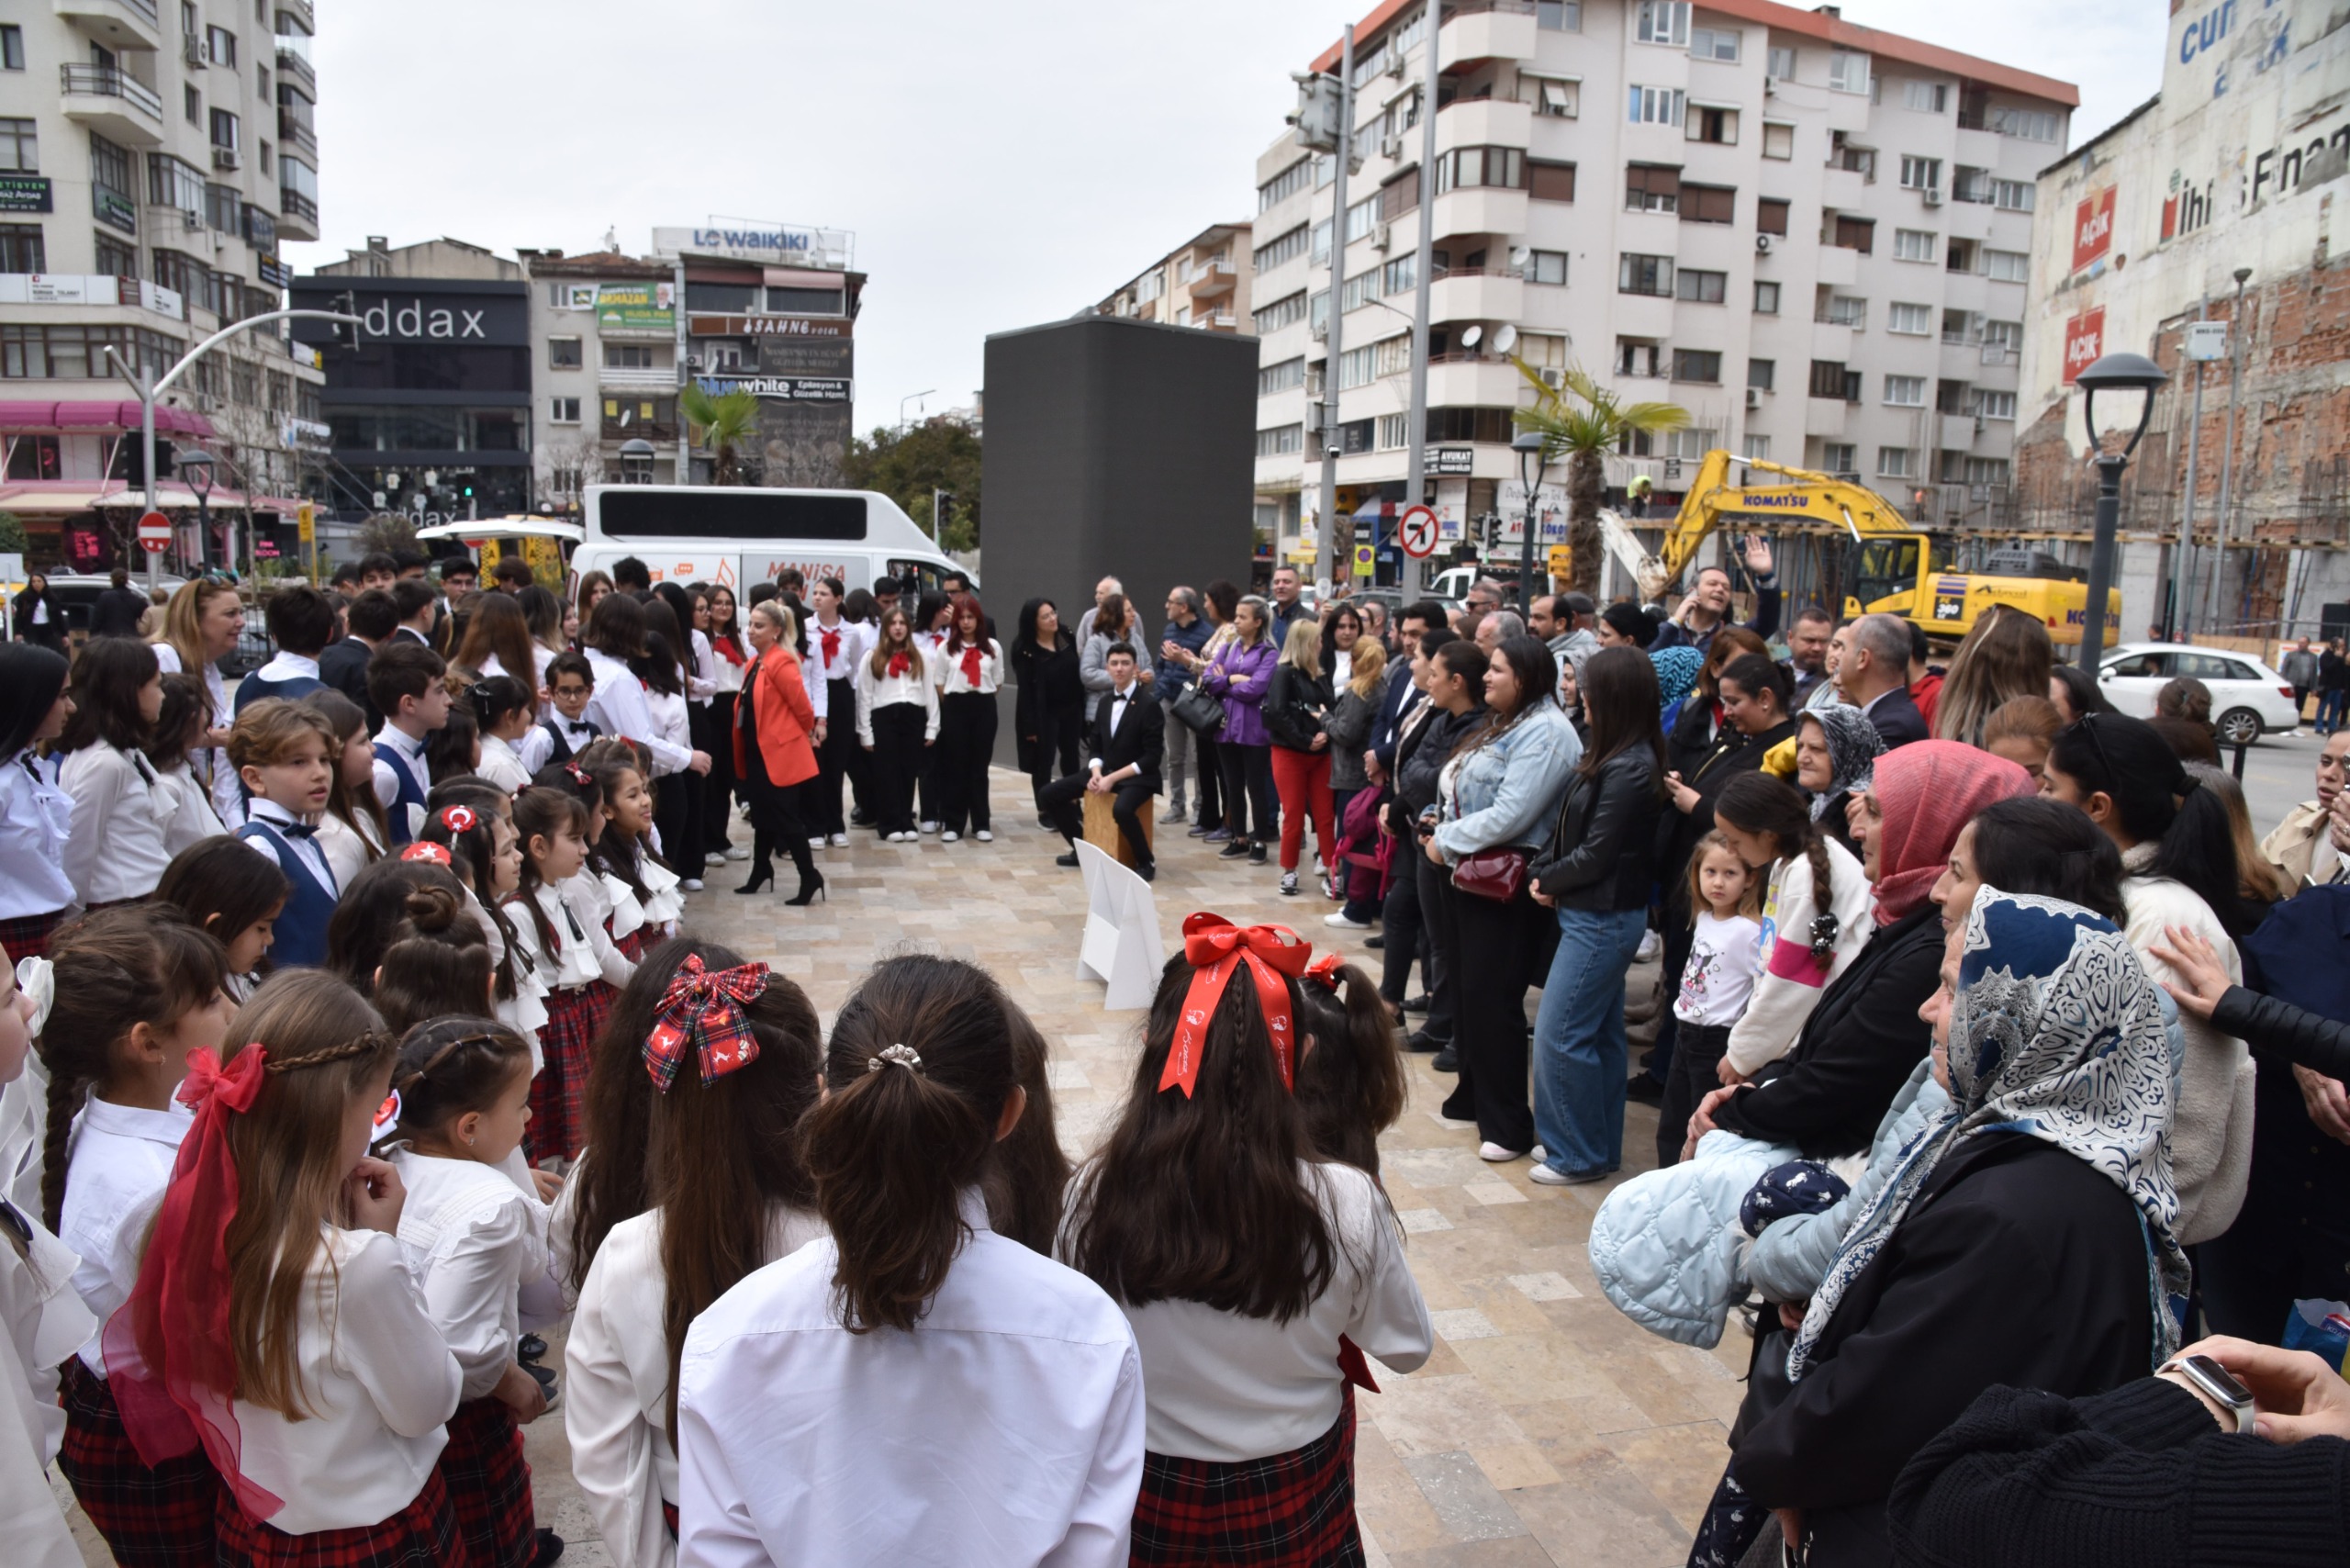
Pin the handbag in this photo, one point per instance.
(1199, 710)
(1495, 874)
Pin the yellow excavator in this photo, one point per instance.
(1895, 568)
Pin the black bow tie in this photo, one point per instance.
(294, 830)
(582, 728)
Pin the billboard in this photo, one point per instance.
(2093, 229)
(636, 307)
(774, 244)
(2083, 342)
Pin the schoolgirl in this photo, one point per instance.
(352, 831)
(912, 1387)
(730, 659)
(897, 717)
(582, 967)
(837, 644)
(454, 751)
(476, 826)
(733, 1058)
(373, 904)
(1027, 1178)
(599, 1193)
(1350, 1079)
(181, 726)
(971, 667)
(234, 896)
(932, 620)
(686, 847)
(202, 625)
(36, 815)
(473, 1239)
(115, 849)
(287, 754)
(505, 710)
(135, 990)
(1251, 1416)
(274, 1319)
(435, 966)
(614, 638)
(640, 898)
(1725, 960)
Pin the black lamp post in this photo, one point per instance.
(2114, 373)
(196, 469)
(1532, 462)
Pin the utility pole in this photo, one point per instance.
(1424, 261)
(2181, 617)
(1326, 541)
(2221, 527)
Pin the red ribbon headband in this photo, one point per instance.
(1215, 949)
(703, 1008)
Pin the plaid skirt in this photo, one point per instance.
(150, 1518)
(28, 937)
(423, 1535)
(1291, 1510)
(576, 1017)
(490, 1485)
(631, 946)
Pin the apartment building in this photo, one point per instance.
(151, 159)
(1203, 284)
(604, 349)
(1812, 235)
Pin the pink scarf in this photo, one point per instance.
(1928, 790)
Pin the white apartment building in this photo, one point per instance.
(1812, 235)
(152, 158)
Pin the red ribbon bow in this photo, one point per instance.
(973, 656)
(234, 1086)
(458, 819)
(832, 640)
(703, 1007)
(1325, 969)
(578, 774)
(901, 662)
(420, 850)
(1216, 947)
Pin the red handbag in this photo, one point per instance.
(1495, 874)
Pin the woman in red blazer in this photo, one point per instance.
(776, 736)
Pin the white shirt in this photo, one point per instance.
(471, 1238)
(1007, 1429)
(287, 667)
(35, 821)
(536, 749)
(670, 725)
(1226, 1388)
(348, 849)
(409, 749)
(211, 762)
(41, 1321)
(617, 708)
(121, 1162)
(189, 817)
(503, 765)
(698, 687)
(525, 1011)
(584, 951)
(953, 682)
(312, 854)
(854, 640)
(1725, 960)
(380, 1386)
(116, 848)
(883, 691)
(616, 1384)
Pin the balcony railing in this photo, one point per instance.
(294, 204)
(296, 132)
(294, 64)
(109, 82)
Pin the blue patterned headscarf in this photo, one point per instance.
(1676, 672)
(2056, 1032)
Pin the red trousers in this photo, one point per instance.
(1302, 779)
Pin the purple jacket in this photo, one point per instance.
(1244, 717)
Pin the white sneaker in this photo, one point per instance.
(1650, 946)
(692, 884)
(733, 852)
(984, 836)
(930, 827)
(1494, 1154)
(817, 842)
(895, 838)
(1544, 1176)
(949, 837)
(1340, 918)
(840, 840)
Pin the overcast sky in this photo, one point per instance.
(1002, 163)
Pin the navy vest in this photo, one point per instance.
(300, 933)
(253, 689)
(409, 795)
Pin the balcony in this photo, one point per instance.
(298, 12)
(1483, 122)
(1840, 189)
(1831, 340)
(1840, 267)
(119, 108)
(1956, 432)
(1212, 279)
(637, 378)
(117, 24)
(297, 216)
(653, 430)
(1215, 320)
(1487, 293)
(294, 65)
(1480, 209)
(294, 130)
(1824, 417)
(1486, 30)
(1468, 381)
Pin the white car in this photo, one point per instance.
(2247, 697)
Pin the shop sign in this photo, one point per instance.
(767, 326)
(772, 243)
(1452, 460)
(112, 209)
(636, 307)
(781, 389)
(25, 192)
(2083, 342)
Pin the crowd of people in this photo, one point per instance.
(350, 1043)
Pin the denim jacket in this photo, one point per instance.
(1507, 792)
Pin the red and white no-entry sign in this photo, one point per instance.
(1416, 529)
(154, 532)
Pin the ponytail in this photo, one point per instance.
(1351, 1083)
(1763, 804)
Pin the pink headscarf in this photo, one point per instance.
(1927, 791)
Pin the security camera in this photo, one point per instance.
(1336, 452)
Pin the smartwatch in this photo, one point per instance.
(2216, 1383)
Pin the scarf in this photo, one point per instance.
(2056, 1033)
(1852, 746)
(973, 656)
(1927, 791)
(901, 662)
(1677, 673)
(832, 640)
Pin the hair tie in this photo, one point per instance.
(458, 819)
(387, 1115)
(904, 1056)
(1216, 949)
(703, 1008)
(2194, 781)
(433, 854)
(1324, 971)
(578, 774)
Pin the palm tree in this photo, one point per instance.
(1584, 432)
(725, 423)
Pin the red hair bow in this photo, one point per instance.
(422, 850)
(458, 819)
(703, 1007)
(578, 774)
(1215, 949)
(233, 1085)
(1325, 969)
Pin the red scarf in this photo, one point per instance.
(972, 656)
(1215, 949)
(832, 640)
(901, 662)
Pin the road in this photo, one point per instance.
(2278, 773)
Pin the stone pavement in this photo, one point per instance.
(1546, 1428)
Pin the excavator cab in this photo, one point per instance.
(1884, 569)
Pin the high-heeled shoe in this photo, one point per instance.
(810, 888)
(762, 876)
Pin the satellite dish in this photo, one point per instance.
(1471, 337)
(1505, 339)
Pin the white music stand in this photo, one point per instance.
(1120, 948)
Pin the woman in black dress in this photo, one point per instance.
(1049, 717)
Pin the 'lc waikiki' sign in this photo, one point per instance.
(773, 244)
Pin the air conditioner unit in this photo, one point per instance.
(225, 158)
(1382, 236)
(192, 222)
(1933, 196)
(1390, 147)
(1554, 378)
(191, 48)
(1319, 332)
(1396, 63)
(693, 361)
(1762, 243)
(1753, 397)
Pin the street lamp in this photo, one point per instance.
(196, 469)
(1532, 462)
(2114, 373)
(636, 461)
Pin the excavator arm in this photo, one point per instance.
(1808, 496)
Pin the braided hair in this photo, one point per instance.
(1769, 807)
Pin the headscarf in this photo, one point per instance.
(1853, 746)
(2056, 1033)
(1926, 792)
(1676, 672)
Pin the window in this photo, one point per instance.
(220, 46)
(1708, 204)
(1969, 184)
(244, 383)
(1895, 461)
(1697, 364)
(1359, 290)
(111, 200)
(1394, 431)
(1362, 217)
(1543, 351)
(1470, 424)
(1991, 405)
(1549, 95)
(1905, 391)
(1280, 440)
(1926, 97)
(1909, 320)
(1965, 256)
(1780, 66)
(1659, 106)
(1766, 298)
(1848, 71)
(19, 147)
(12, 47)
(1920, 174)
(1634, 356)
(1709, 122)
(1281, 377)
(261, 84)
(1650, 188)
(1913, 245)
(1778, 141)
(224, 130)
(1550, 182)
(2014, 195)
(1714, 43)
(563, 354)
(1644, 275)
(1322, 241)
(1762, 373)
(1692, 442)
(1757, 449)
(1286, 183)
(1391, 356)
(1701, 287)
(1318, 311)
(1844, 310)
(1558, 15)
(21, 250)
(1354, 368)
(1400, 276)
(183, 273)
(264, 158)
(1466, 166)
(628, 356)
(1286, 311)
(1283, 248)
(2004, 335)
(1840, 457)
(221, 208)
(1855, 234)
(1831, 379)
(1663, 21)
(2031, 125)
(1987, 470)
(115, 258)
(2008, 266)
(1546, 266)
(1770, 215)
(1400, 194)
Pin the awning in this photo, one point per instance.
(505, 528)
(26, 414)
(65, 498)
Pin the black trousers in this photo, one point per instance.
(1440, 958)
(1496, 945)
(966, 741)
(776, 819)
(895, 757)
(1400, 928)
(718, 787)
(1249, 780)
(1207, 777)
(676, 812)
(1680, 935)
(834, 760)
(1697, 1051)
(1058, 736)
(1062, 796)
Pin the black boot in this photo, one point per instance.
(763, 862)
(812, 881)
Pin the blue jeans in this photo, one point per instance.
(1579, 1043)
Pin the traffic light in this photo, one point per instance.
(346, 333)
(1320, 114)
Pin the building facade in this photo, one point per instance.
(604, 349)
(2237, 163)
(1811, 235)
(151, 159)
(1203, 284)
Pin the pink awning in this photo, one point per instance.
(23, 414)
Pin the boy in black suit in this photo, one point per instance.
(1125, 742)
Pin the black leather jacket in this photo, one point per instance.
(2274, 1028)
(1419, 759)
(1602, 855)
(1292, 705)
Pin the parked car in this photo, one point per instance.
(2247, 697)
